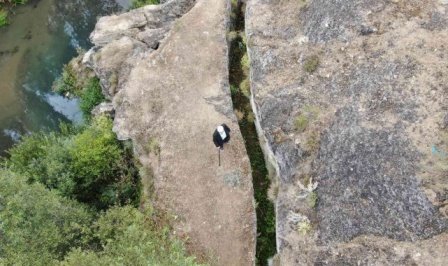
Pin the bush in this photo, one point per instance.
(67, 83)
(301, 123)
(89, 165)
(74, 82)
(233, 90)
(245, 87)
(3, 17)
(37, 225)
(313, 141)
(245, 64)
(311, 64)
(304, 227)
(312, 199)
(91, 96)
(130, 237)
(141, 3)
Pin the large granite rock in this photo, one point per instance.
(165, 68)
(351, 100)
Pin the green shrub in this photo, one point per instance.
(89, 165)
(245, 64)
(312, 199)
(67, 83)
(91, 96)
(3, 17)
(301, 123)
(245, 87)
(38, 226)
(130, 237)
(18, 2)
(308, 114)
(153, 146)
(311, 64)
(141, 3)
(89, 90)
(233, 90)
(304, 227)
(313, 141)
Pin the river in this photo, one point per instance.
(43, 36)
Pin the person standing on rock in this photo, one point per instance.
(221, 136)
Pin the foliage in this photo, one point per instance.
(304, 227)
(307, 114)
(153, 146)
(233, 89)
(4, 13)
(313, 141)
(301, 122)
(38, 226)
(312, 199)
(91, 96)
(67, 83)
(141, 3)
(89, 165)
(128, 237)
(245, 87)
(3, 17)
(71, 83)
(239, 69)
(245, 64)
(231, 36)
(311, 64)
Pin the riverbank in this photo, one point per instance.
(43, 36)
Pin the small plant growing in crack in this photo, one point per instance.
(311, 64)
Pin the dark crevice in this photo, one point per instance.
(240, 89)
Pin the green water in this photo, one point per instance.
(42, 37)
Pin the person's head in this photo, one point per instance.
(221, 129)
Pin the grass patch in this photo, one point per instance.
(312, 199)
(308, 113)
(304, 227)
(245, 87)
(313, 141)
(153, 146)
(141, 3)
(245, 64)
(311, 64)
(301, 123)
(3, 17)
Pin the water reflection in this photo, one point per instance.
(43, 35)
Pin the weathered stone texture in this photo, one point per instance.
(165, 69)
(366, 125)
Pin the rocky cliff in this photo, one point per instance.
(351, 99)
(165, 70)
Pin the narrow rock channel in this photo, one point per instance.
(240, 89)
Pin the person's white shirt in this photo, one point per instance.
(222, 132)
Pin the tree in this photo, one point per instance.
(130, 237)
(90, 165)
(38, 226)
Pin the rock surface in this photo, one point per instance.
(351, 99)
(165, 69)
